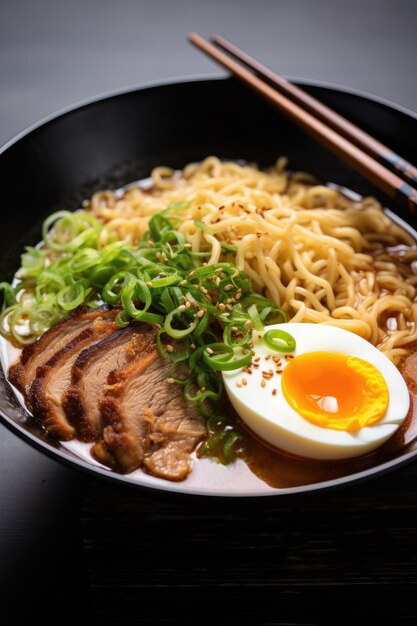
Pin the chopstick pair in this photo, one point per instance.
(332, 130)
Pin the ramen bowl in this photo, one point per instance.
(119, 138)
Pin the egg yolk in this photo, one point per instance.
(335, 390)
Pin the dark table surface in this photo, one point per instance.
(80, 550)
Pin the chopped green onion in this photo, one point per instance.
(136, 290)
(254, 316)
(202, 226)
(70, 297)
(9, 296)
(229, 441)
(279, 340)
(221, 357)
(33, 261)
(175, 332)
(229, 247)
(158, 281)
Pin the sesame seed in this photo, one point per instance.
(182, 307)
(238, 384)
(170, 381)
(228, 287)
(200, 313)
(257, 359)
(274, 392)
(169, 348)
(183, 283)
(244, 381)
(268, 356)
(263, 383)
(210, 351)
(149, 284)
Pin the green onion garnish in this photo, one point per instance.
(202, 226)
(279, 340)
(206, 313)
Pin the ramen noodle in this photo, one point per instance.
(320, 255)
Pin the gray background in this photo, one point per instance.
(55, 53)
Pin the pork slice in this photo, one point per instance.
(90, 372)
(46, 393)
(22, 373)
(148, 421)
(124, 413)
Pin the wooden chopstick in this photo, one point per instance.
(339, 123)
(380, 176)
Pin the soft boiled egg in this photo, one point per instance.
(335, 397)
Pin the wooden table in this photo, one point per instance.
(74, 549)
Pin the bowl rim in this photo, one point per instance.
(197, 78)
(71, 460)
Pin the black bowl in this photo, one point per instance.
(117, 139)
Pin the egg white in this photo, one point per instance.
(276, 422)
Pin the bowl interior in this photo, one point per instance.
(116, 140)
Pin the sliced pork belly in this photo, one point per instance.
(22, 373)
(147, 420)
(45, 395)
(90, 372)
